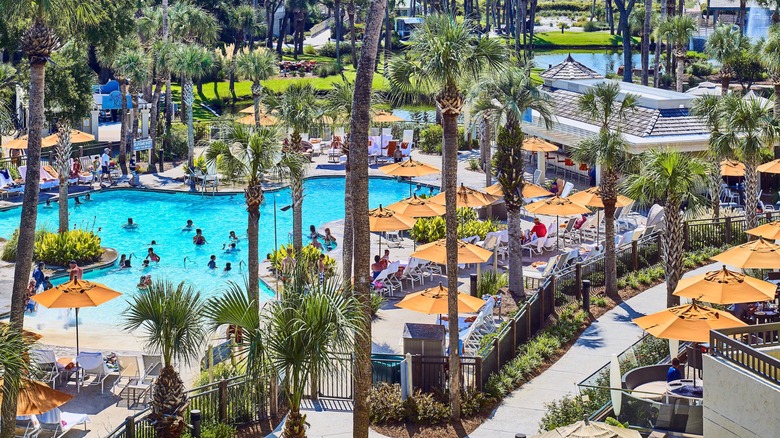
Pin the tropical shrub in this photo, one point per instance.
(329, 49)
(9, 251)
(178, 142)
(214, 430)
(591, 26)
(430, 139)
(59, 248)
(376, 303)
(463, 143)
(385, 404)
(701, 69)
(327, 69)
(474, 165)
(490, 281)
(309, 50)
(427, 230)
(308, 257)
(200, 164)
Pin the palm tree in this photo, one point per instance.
(295, 337)
(442, 55)
(360, 118)
(62, 153)
(38, 41)
(608, 150)
(771, 59)
(131, 66)
(190, 62)
(293, 167)
(646, 31)
(749, 129)
(724, 45)
(172, 320)
(675, 178)
(242, 19)
(248, 153)
(710, 108)
(256, 66)
(7, 83)
(296, 108)
(508, 96)
(678, 29)
(161, 60)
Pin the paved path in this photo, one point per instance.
(522, 410)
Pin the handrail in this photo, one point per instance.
(724, 344)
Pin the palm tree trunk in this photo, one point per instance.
(751, 193)
(154, 120)
(724, 86)
(165, 20)
(610, 258)
(657, 56)
(254, 197)
(514, 228)
(485, 152)
(256, 93)
(187, 99)
(715, 186)
(169, 403)
(646, 41)
(124, 128)
(63, 204)
(232, 78)
(777, 100)
(337, 7)
(358, 159)
(136, 115)
(282, 33)
(628, 66)
(673, 251)
(168, 115)
(680, 70)
(531, 27)
(347, 240)
(29, 216)
(352, 37)
(610, 17)
(296, 187)
(450, 186)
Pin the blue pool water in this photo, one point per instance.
(161, 216)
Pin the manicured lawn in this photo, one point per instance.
(578, 39)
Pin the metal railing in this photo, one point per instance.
(741, 346)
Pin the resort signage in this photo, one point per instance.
(142, 144)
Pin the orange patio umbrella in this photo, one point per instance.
(689, 322)
(433, 301)
(725, 287)
(534, 144)
(75, 294)
(436, 252)
(417, 207)
(409, 169)
(36, 398)
(732, 168)
(385, 117)
(382, 219)
(557, 206)
(592, 198)
(758, 254)
(76, 137)
(467, 197)
(589, 429)
(21, 143)
(770, 167)
(529, 191)
(769, 231)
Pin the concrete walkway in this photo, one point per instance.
(523, 409)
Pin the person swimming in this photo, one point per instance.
(154, 242)
(76, 200)
(212, 262)
(233, 237)
(198, 238)
(48, 203)
(145, 263)
(124, 261)
(87, 197)
(130, 224)
(151, 255)
(144, 282)
(189, 226)
(227, 267)
(232, 248)
(313, 234)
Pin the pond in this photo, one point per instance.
(603, 61)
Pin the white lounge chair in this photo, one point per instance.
(535, 246)
(387, 135)
(46, 181)
(49, 370)
(152, 366)
(60, 422)
(92, 364)
(408, 136)
(412, 272)
(535, 274)
(567, 188)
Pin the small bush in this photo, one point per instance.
(376, 303)
(601, 301)
(9, 251)
(592, 26)
(473, 403)
(178, 142)
(345, 48)
(385, 404)
(214, 430)
(59, 248)
(309, 50)
(431, 139)
(327, 69)
(701, 69)
(474, 165)
(223, 370)
(423, 408)
(200, 164)
(308, 257)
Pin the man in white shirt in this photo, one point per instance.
(105, 161)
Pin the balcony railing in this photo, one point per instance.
(743, 346)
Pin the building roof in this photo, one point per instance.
(730, 4)
(643, 122)
(571, 70)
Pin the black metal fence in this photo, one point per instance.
(702, 233)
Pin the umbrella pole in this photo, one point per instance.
(77, 331)
(598, 227)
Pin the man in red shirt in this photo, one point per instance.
(538, 229)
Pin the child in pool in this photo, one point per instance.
(232, 248)
(198, 238)
(233, 237)
(151, 255)
(189, 225)
(213, 262)
(227, 267)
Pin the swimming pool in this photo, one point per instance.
(161, 216)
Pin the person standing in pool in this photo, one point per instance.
(130, 224)
(316, 243)
(231, 248)
(329, 239)
(76, 201)
(227, 267)
(152, 256)
(198, 238)
(87, 197)
(48, 203)
(123, 262)
(233, 237)
(313, 234)
(189, 226)
(213, 262)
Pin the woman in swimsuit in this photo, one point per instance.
(198, 238)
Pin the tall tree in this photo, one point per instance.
(646, 31)
(625, 8)
(507, 96)
(62, 152)
(256, 66)
(771, 59)
(358, 159)
(298, 110)
(190, 62)
(47, 23)
(442, 56)
(171, 318)
(293, 167)
(249, 154)
(750, 130)
(132, 66)
(678, 29)
(724, 45)
(241, 19)
(603, 104)
(676, 178)
(710, 108)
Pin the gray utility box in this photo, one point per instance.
(424, 339)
